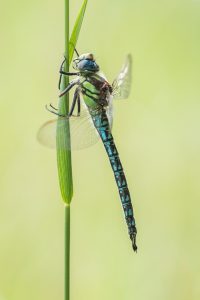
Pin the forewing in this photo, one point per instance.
(122, 84)
(83, 134)
(109, 111)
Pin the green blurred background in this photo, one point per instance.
(157, 133)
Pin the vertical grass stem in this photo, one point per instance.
(67, 253)
(63, 139)
(67, 207)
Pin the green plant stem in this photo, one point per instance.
(63, 132)
(63, 139)
(67, 38)
(67, 206)
(67, 253)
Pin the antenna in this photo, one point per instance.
(75, 49)
(76, 52)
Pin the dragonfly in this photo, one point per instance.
(93, 100)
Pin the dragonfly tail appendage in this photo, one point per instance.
(102, 125)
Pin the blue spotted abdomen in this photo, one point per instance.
(102, 125)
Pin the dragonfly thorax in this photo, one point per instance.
(86, 63)
(96, 90)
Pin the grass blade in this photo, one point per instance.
(63, 135)
(76, 30)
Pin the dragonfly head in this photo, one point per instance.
(86, 63)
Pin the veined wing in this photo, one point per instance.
(109, 108)
(83, 134)
(122, 84)
(109, 111)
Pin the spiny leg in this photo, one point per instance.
(64, 73)
(75, 98)
(73, 103)
(53, 106)
(78, 105)
(55, 113)
(61, 67)
(68, 88)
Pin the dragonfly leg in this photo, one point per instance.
(68, 88)
(69, 73)
(73, 103)
(65, 73)
(61, 68)
(54, 112)
(75, 99)
(79, 105)
(53, 106)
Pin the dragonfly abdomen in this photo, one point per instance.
(102, 125)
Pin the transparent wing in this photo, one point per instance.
(109, 111)
(122, 84)
(83, 134)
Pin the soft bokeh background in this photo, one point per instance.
(157, 133)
